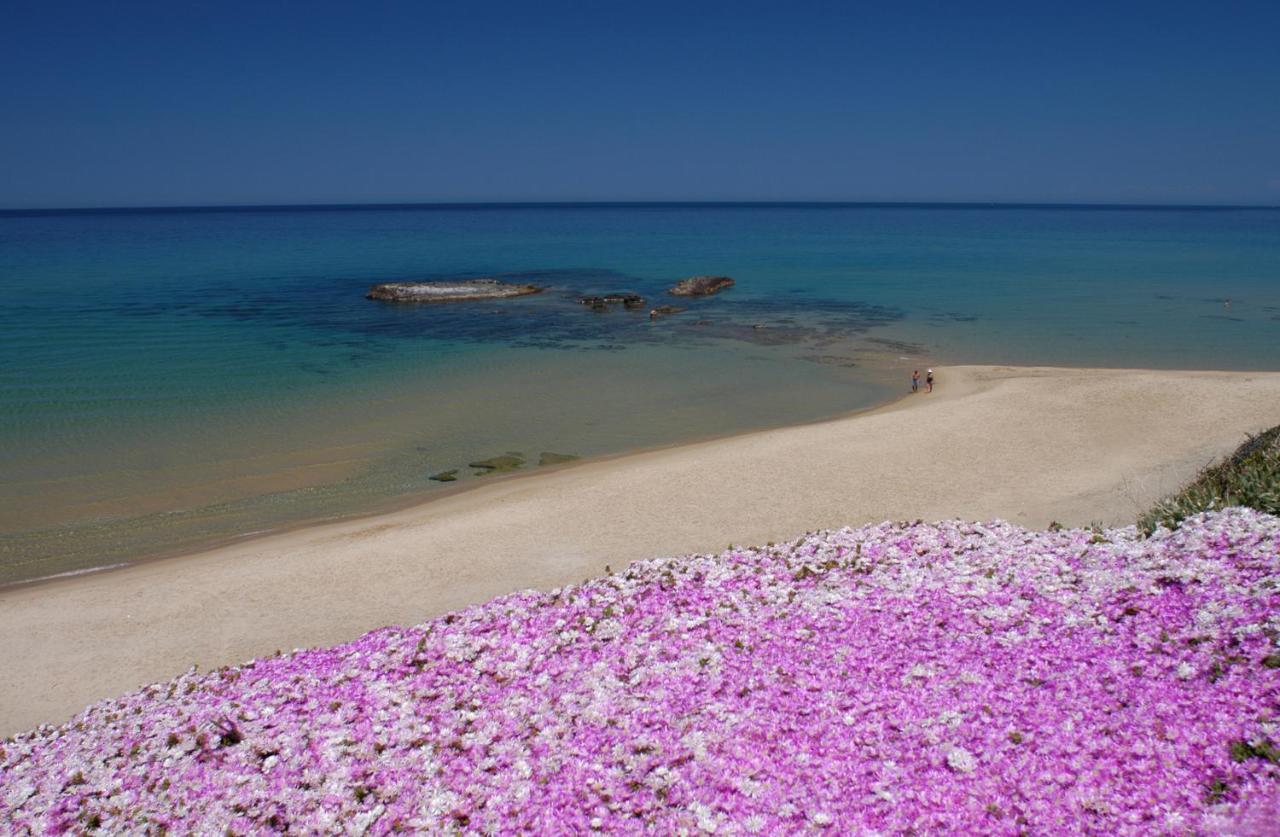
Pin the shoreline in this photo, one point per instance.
(420, 498)
(1020, 443)
(161, 512)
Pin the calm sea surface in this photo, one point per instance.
(170, 379)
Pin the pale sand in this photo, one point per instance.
(1027, 445)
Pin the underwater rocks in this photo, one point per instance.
(549, 458)
(700, 286)
(497, 464)
(760, 334)
(602, 303)
(510, 461)
(470, 289)
(831, 360)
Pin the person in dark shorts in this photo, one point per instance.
(928, 381)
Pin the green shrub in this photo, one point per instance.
(1249, 477)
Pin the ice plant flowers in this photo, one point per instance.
(934, 677)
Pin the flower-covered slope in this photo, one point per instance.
(953, 676)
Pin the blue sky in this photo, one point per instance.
(119, 104)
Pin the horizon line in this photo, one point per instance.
(618, 204)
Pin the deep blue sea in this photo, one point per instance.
(175, 378)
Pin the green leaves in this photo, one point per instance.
(1249, 477)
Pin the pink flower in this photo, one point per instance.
(947, 677)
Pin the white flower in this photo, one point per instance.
(362, 822)
(1186, 671)
(706, 817)
(919, 670)
(961, 760)
(459, 647)
(951, 718)
(885, 795)
(696, 741)
(608, 629)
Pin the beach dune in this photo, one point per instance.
(1030, 445)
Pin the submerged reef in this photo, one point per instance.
(948, 677)
(497, 464)
(629, 301)
(548, 314)
(552, 458)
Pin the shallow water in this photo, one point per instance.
(170, 379)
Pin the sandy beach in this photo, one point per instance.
(1029, 445)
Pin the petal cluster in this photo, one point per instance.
(924, 677)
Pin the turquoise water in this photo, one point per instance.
(175, 378)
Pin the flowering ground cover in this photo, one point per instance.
(927, 677)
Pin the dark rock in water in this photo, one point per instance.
(700, 286)
(445, 476)
(664, 310)
(549, 458)
(496, 464)
(602, 303)
(769, 336)
(831, 360)
(899, 346)
(448, 291)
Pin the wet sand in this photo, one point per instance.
(1029, 445)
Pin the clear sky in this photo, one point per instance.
(121, 103)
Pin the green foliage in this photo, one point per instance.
(1242, 751)
(1217, 792)
(1249, 477)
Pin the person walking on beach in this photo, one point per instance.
(915, 381)
(928, 380)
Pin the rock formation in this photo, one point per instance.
(448, 291)
(700, 286)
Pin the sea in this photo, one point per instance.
(172, 379)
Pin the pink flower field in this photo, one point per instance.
(957, 677)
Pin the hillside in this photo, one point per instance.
(949, 676)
